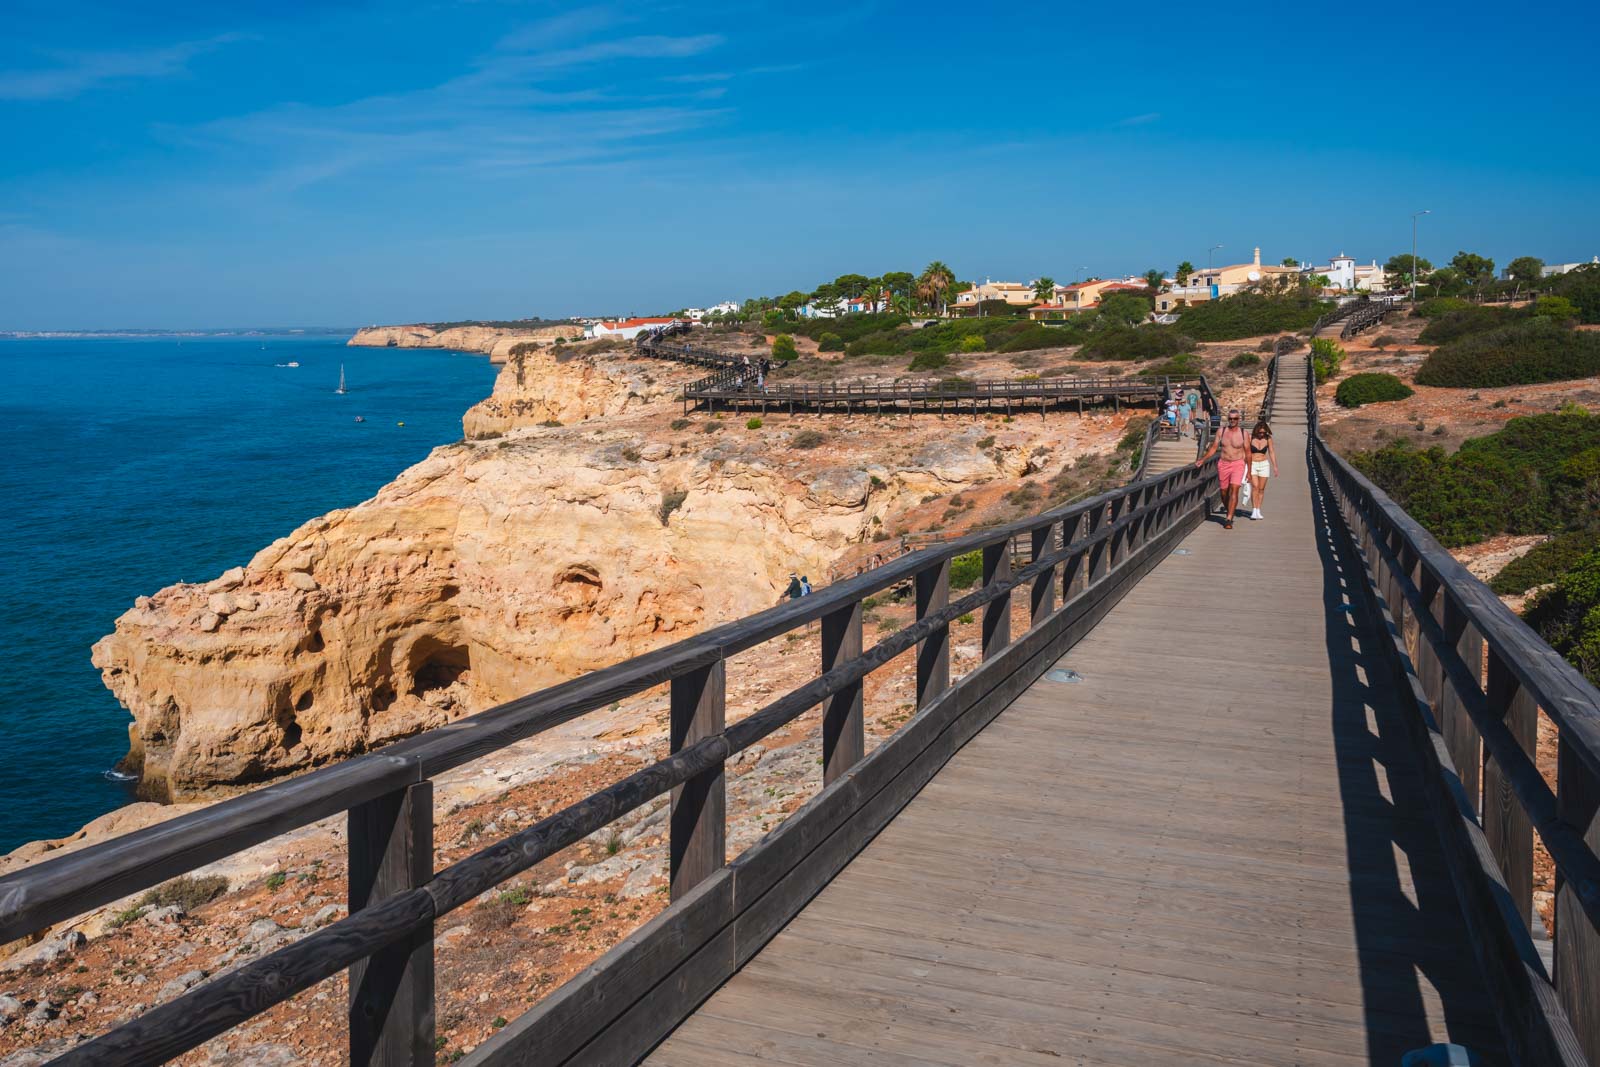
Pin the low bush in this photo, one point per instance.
(1568, 615)
(972, 342)
(929, 361)
(1373, 388)
(1184, 366)
(753, 424)
(1463, 322)
(830, 342)
(1524, 353)
(783, 348)
(1249, 315)
(1133, 436)
(1246, 359)
(680, 424)
(1438, 307)
(1546, 562)
(1327, 356)
(1582, 288)
(966, 570)
(1136, 343)
(808, 439)
(188, 892)
(671, 500)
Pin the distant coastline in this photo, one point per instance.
(96, 335)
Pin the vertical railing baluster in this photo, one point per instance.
(1577, 948)
(843, 727)
(933, 652)
(1043, 594)
(1097, 554)
(1505, 823)
(997, 612)
(698, 846)
(1460, 736)
(391, 1012)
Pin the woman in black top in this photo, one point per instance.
(1263, 465)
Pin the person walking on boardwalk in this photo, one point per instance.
(1263, 465)
(1230, 464)
(795, 590)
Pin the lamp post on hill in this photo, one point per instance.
(1414, 216)
(1210, 250)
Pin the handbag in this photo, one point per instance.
(1244, 493)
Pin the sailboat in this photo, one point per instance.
(341, 390)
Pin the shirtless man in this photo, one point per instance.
(1230, 465)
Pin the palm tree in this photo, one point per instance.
(1044, 290)
(1154, 279)
(1184, 270)
(935, 282)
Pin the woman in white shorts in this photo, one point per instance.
(1263, 465)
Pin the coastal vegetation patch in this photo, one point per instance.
(1250, 315)
(1371, 388)
(1536, 349)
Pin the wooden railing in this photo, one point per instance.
(1367, 314)
(1087, 553)
(1478, 677)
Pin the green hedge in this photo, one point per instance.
(1524, 353)
(1250, 315)
(1582, 287)
(1466, 321)
(1544, 563)
(1439, 305)
(1540, 474)
(1246, 360)
(1327, 356)
(830, 342)
(1374, 388)
(1136, 343)
(1568, 616)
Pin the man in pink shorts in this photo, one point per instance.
(1230, 464)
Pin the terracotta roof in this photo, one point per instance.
(628, 323)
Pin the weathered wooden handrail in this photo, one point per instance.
(1082, 548)
(1479, 677)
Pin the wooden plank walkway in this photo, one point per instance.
(1207, 851)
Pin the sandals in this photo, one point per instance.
(1227, 524)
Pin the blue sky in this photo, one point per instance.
(260, 163)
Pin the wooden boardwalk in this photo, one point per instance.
(1210, 849)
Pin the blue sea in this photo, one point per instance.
(136, 463)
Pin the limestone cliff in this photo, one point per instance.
(494, 341)
(541, 384)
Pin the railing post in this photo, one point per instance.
(1460, 736)
(390, 843)
(1043, 595)
(1097, 555)
(1577, 949)
(997, 612)
(1073, 579)
(1505, 824)
(843, 727)
(699, 830)
(933, 652)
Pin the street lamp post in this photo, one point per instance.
(1414, 216)
(1210, 250)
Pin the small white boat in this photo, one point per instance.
(341, 390)
(361, 418)
(291, 363)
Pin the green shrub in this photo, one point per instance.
(1249, 315)
(1184, 366)
(1133, 436)
(1359, 389)
(681, 424)
(1136, 343)
(846, 327)
(972, 342)
(1524, 353)
(1582, 288)
(1327, 356)
(671, 500)
(1439, 306)
(1568, 616)
(1463, 322)
(929, 361)
(1544, 563)
(966, 570)
(1245, 359)
(830, 342)
(188, 892)
(1555, 307)
(808, 439)
(783, 348)
(753, 424)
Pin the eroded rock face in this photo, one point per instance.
(484, 572)
(494, 341)
(541, 384)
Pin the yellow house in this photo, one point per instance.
(1071, 299)
(1211, 283)
(1014, 293)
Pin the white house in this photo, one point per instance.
(627, 329)
(1563, 268)
(845, 305)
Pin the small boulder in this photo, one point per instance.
(231, 578)
(220, 604)
(10, 1008)
(302, 581)
(209, 622)
(74, 940)
(182, 984)
(656, 450)
(246, 601)
(325, 915)
(163, 916)
(41, 1014)
(88, 998)
(260, 930)
(141, 602)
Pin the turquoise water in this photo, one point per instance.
(138, 463)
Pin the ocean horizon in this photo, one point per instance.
(144, 459)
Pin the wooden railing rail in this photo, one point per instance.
(1479, 677)
(1092, 550)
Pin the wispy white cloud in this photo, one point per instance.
(1139, 120)
(75, 73)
